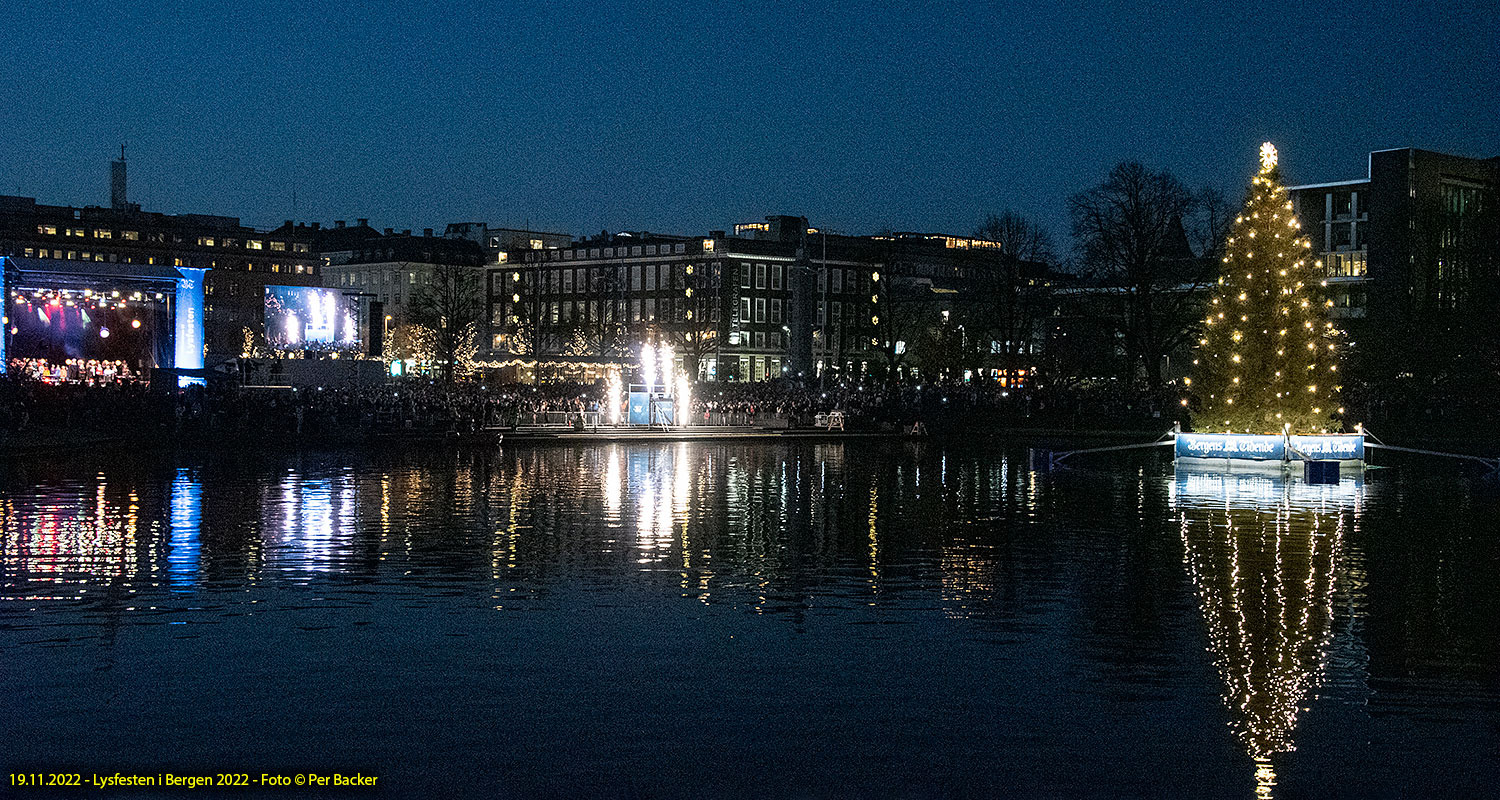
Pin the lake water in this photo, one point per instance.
(751, 621)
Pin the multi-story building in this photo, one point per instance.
(391, 267)
(499, 243)
(1383, 238)
(775, 299)
(240, 260)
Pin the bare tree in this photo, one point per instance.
(1131, 236)
(448, 306)
(1009, 291)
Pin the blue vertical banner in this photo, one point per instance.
(188, 325)
(5, 307)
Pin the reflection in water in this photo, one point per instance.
(1264, 553)
(183, 550)
(310, 523)
(60, 544)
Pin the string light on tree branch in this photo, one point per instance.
(1244, 377)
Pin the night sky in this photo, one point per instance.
(682, 119)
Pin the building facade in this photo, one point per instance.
(1389, 241)
(240, 261)
(775, 299)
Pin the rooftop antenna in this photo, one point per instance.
(117, 196)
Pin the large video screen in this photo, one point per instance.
(309, 318)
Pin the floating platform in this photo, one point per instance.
(558, 434)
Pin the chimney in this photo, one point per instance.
(426, 231)
(317, 226)
(363, 223)
(338, 223)
(117, 197)
(286, 224)
(406, 232)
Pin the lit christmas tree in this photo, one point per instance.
(1267, 356)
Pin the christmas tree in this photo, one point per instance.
(1267, 357)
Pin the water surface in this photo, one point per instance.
(748, 620)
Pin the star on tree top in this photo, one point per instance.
(1267, 157)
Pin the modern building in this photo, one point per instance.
(1387, 240)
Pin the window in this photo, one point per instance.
(679, 248)
(254, 244)
(411, 278)
(650, 249)
(29, 251)
(205, 241)
(838, 281)
(609, 252)
(75, 232)
(821, 312)
(100, 233)
(776, 276)
(636, 250)
(744, 309)
(537, 244)
(278, 246)
(47, 230)
(760, 341)
(838, 310)
(650, 309)
(760, 309)
(775, 309)
(635, 310)
(744, 275)
(650, 277)
(130, 236)
(299, 247)
(760, 276)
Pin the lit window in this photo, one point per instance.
(47, 230)
(100, 233)
(131, 236)
(299, 247)
(205, 241)
(254, 244)
(278, 246)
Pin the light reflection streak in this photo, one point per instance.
(1264, 553)
(59, 544)
(184, 548)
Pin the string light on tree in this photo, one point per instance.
(1272, 361)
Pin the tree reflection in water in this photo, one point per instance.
(1264, 553)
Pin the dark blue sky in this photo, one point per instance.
(578, 117)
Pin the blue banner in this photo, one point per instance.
(1230, 445)
(640, 409)
(1257, 447)
(1340, 448)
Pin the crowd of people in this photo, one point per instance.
(75, 370)
(426, 406)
